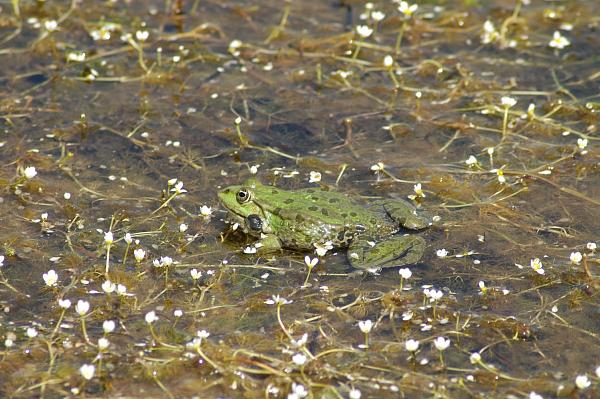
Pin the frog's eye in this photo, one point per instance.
(242, 196)
(254, 222)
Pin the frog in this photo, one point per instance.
(304, 219)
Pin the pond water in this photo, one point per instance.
(120, 121)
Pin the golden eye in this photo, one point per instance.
(242, 196)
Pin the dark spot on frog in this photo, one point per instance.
(341, 236)
(324, 212)
(254, 222)
(274, 192)
(333, 200)
(353, 214)
(288, 201)
(310, 191)
(313, 208)
(277, 211)
(344, 215)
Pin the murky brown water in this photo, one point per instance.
(109, 101)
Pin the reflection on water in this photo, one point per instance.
(121, 122)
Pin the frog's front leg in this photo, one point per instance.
(391, 252)
(268, 243)
(405, 214)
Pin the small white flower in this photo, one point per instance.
(109, 287)
(166, 261)
(598, 371)
(157, 263)
(64, 303)
(582, 381)
(405, 273)
(441, 343)
(508, 102)
(315, 177)
(377, 16)
(576, 257)
(121, 289)
(128, 238)
(408, 315)
(322, 248)
(471, 161)
(299, 359)
(178, 313)
(365, 326)
(388, 61)
(310, 262)
(300, 342)
(103, 343)
(82, 307)
(590, 245)
(108, 326)
(151, 317)
(536, 265)
(407, 9)
(441, 253)
(582, 143)
(29, 172)
(195, 274)
(354, 394)
(238, 121)
(142, 35)
(490, 34)
(364, 31)
(378, 167)
(533, 395)
(205, 210)
(87, 371)
(250, 250)
(50, 278)
(51, 25)
(139, 254)
(418, 190)
(108, 238)
(76, 56)
(475, 358)
(558, 41)
(178, 188)
(298, 391)
(1, 260)
(277, 300)
(183, 228)
(31, 332)
(411, 345)
(202, 334)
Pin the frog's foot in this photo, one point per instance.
(267, 244)
(394, 251)
(405, 214)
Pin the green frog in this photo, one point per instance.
(309, 218)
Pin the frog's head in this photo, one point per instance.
(240, 201)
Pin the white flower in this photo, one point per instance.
(310, 262)
(103, 343)
(276, 299)
(300, 342)
(157, 263)
(508, 102)
(50, 278)
(195, 274)
(418, 190)
(51, 25)
(315, 177)
(322, 248)
(82, 307)
(475, 358)
(139, 254)
(590, 245)
(121, 289)
(407, 9)
(29, 172)
(365, 326)
(142, 35)
(205, 210)
(441, 343)
(433, 294)
(178, 313)
(31, 332)
(128, 239)
(582, 381)
(298, 391)
(441, 253)
(151, 317)
(183, 228)
(299, 359)
(109, 286)
(378, 167)
(76, 56)
(533, 395)
(364, 31)
(64, 303)
(411, 345)
(250, 250)
(388, 61)
(354, 394)
(576, 257)
(178, 189)
(166, 261)
(87, 371)
(108, 326)
(582, 143)
(558, 41)
(471, 161)
(108, 238)
(405, 273)
(407, 315)
(536, 265)
(598, 371)
(202, 334)
(490, 34)
(1, 260)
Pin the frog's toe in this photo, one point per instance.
(405, 214)
(394, 251)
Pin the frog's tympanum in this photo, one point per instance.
(302, 219)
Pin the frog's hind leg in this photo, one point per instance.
(394, 251)
(405, 214)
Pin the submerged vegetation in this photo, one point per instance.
(121, 121)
